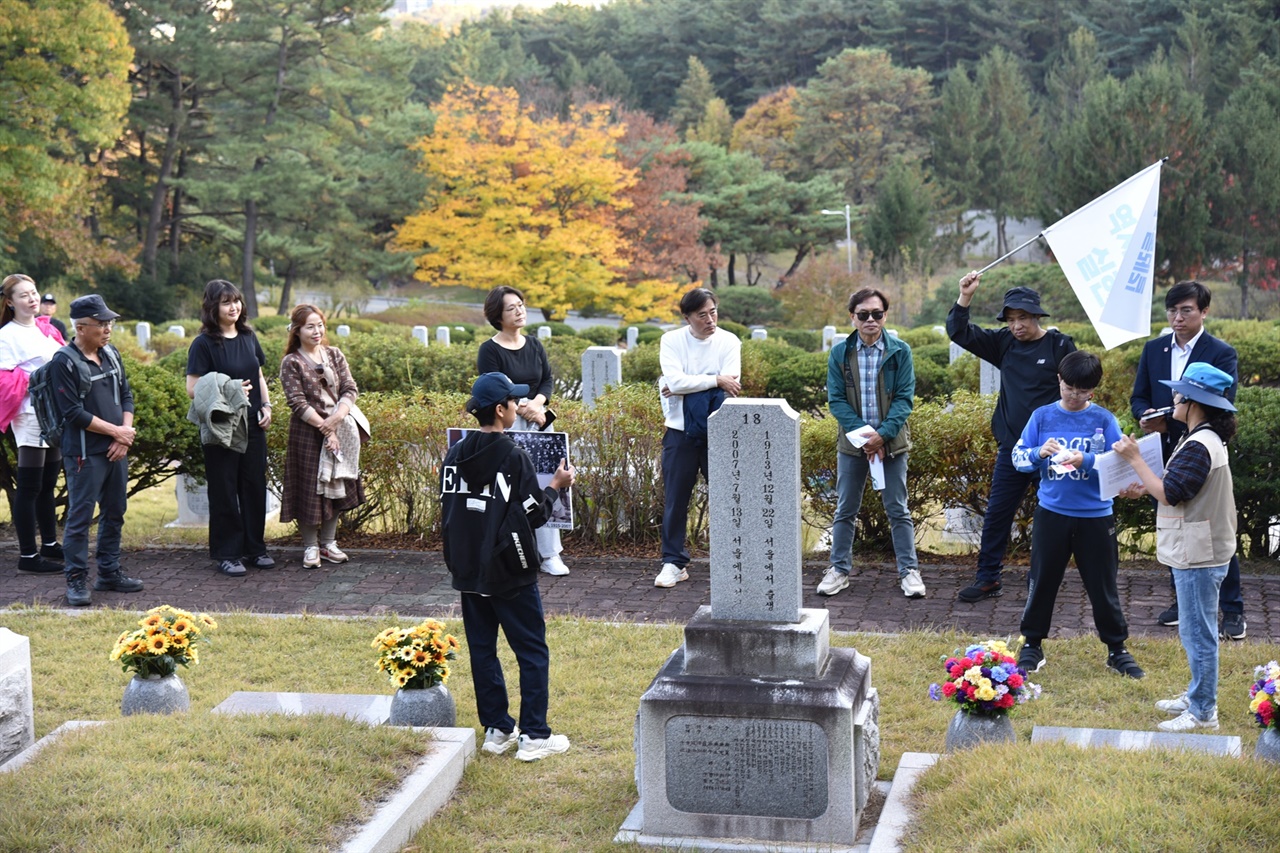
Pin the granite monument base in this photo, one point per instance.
(17, 710)
(777, 759)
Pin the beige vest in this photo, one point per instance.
(1200, 532)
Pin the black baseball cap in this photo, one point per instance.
(493, 388)
(91, 307)
(48, 298)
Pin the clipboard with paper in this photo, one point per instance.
(1115, 475)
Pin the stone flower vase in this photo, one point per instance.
(154, 694)
(970, 730)
(1268, 748)
(430, 706)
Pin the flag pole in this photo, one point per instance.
(1008, 255)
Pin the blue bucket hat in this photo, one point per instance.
(1205, 384)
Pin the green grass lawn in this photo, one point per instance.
(241, 771)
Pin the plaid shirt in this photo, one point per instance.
(1187, 471)
(869, 358)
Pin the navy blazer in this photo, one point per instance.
(1150, 393)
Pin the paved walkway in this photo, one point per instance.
(415, 583)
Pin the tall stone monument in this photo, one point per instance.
(601, 367)
(755, 729)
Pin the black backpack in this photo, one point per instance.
(40, 387)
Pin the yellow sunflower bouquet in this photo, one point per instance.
(418, 657)
(166, 637)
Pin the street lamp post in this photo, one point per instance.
(848, 231)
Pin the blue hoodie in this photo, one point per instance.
(1075, 493)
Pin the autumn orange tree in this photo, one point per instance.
(531, 203)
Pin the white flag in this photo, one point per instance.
(1107, 251)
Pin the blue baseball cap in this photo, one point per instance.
(493, 388)
(1205, 384)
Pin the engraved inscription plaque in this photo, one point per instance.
(766, 768)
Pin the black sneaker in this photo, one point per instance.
(78, 592)
(1122, 662)
(37, 565)
(117, 582)
(53, 551)
(1031, 659)
(262, 561)
(1169, 617)
(977, 591)
(1233, 626)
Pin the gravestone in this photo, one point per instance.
(988, 377)
(193, 503)
(759, 334)
(940, 330)
(828, 336)
(143, 333)
(17, 710)
(956, 352)
(177, 331)
(839, 336)
(344, 331)
(423, 334)
(755, 729)
(544, 333)
(633, 337)
(893, 333)
(601, 367)
(442, 335)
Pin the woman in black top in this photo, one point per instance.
(524, 362)
(237, 481)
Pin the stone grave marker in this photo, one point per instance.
(544, 333)
(17, 710)
(839, 336)
(956, 352)
(893, 333)
(442, 335)
(755, 730)
(633, 337)
(143, 333)
(344, 331)
(193, 503)
(828, 336)
(177, 331)
(759, 334)
(601, 367)
(422, 334)
(1227, 746)
(940, 330)
(988, 377)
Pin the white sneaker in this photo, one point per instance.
(332, 553)
(912, 585)
(670, 575)
(311, 557)
(1189, 722)
(1174, 706)
(832, 582)
(555, 566)
(496, 742)
(532, 750)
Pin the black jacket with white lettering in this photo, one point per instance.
(491, 503)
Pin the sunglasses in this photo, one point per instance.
(864, 316)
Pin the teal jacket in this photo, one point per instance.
(895, 387)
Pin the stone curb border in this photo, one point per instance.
(895, 816)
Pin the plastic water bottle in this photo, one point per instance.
(1098, 444)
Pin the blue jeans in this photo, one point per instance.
(94, 484)
(525, 628)
(852, 471)
(1198, 630)
(1008, 488)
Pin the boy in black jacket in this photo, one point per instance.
(491, 503)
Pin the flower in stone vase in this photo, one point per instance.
(1262, 695)
(165, 639)
(984, 678)
(416, 658)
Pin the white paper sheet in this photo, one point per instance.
(1115, 475)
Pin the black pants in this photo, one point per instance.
(521, 620)
(237, 498)
(1008, 488)
(682, 459)
(1056, 538)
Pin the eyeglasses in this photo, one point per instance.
(864, 316)
(1184, 311)
(107, 325)
(513, 308)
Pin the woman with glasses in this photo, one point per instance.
(237, 481)
(524, 361)
(27, 341)
(322, 462)
(1195, 529)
